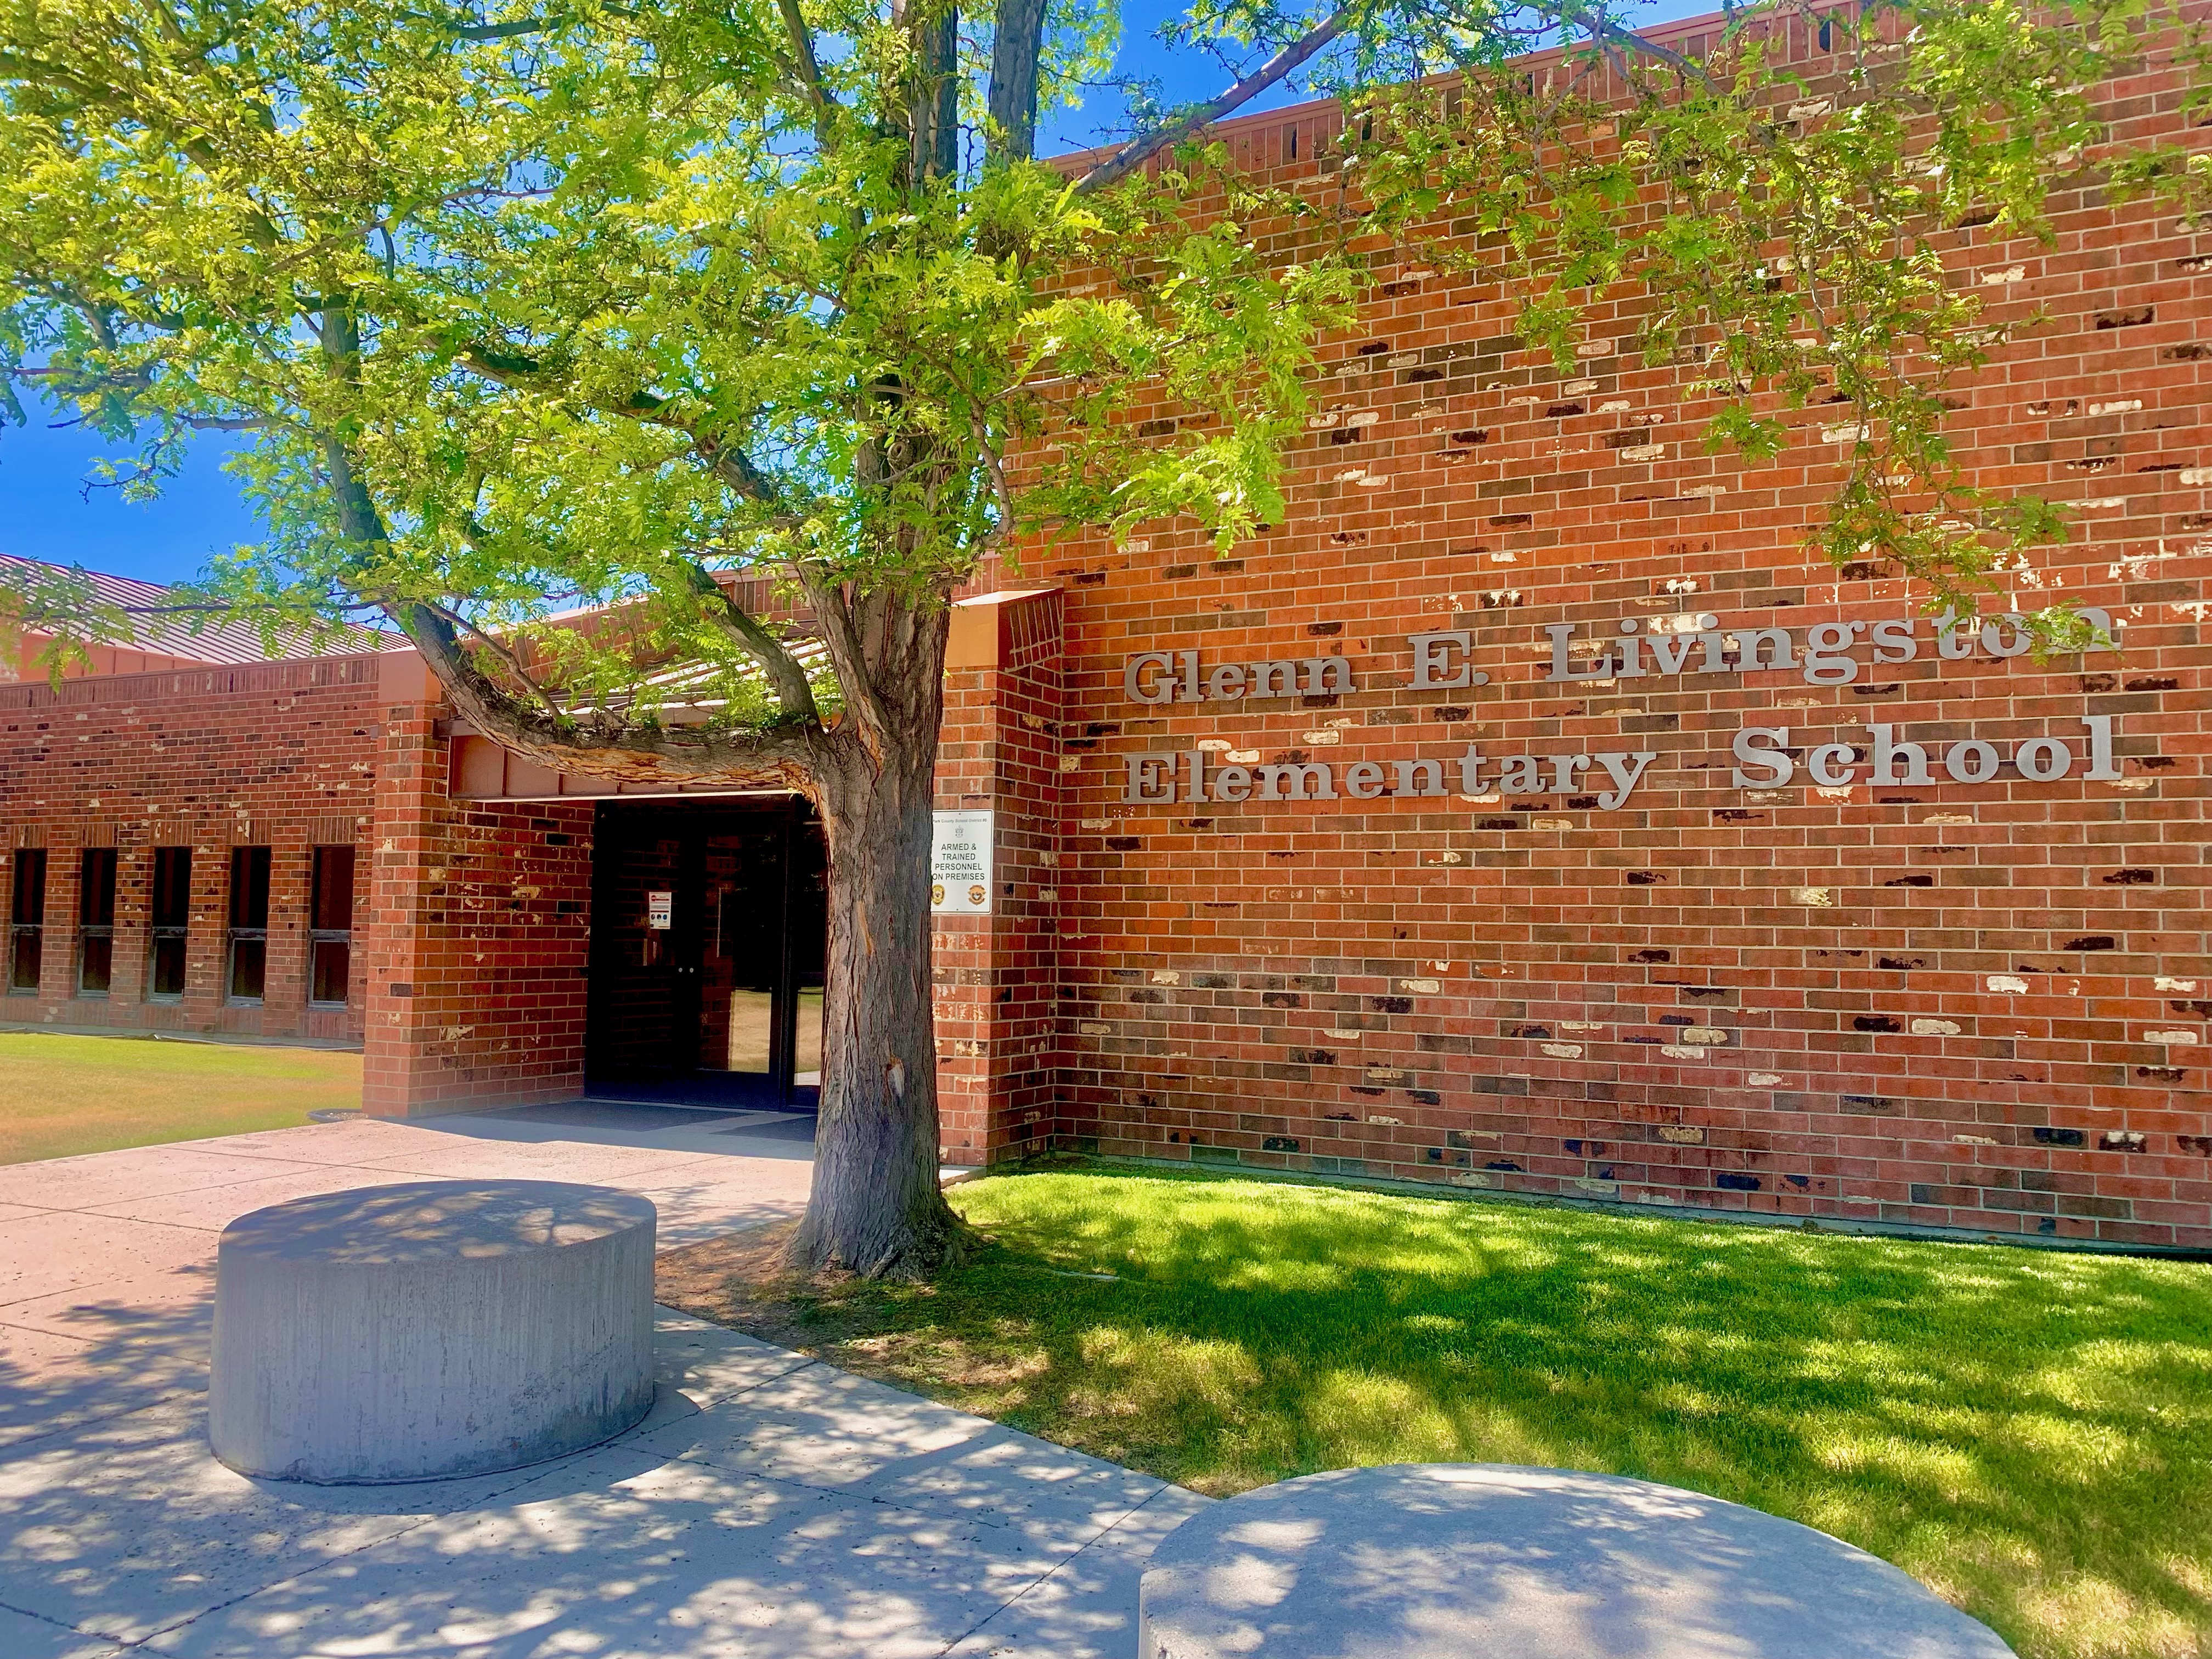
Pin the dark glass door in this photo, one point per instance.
(708, 926)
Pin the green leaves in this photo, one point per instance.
(531, 307)
(1173, 387)
(618, 298)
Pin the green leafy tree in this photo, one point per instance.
(531, 307)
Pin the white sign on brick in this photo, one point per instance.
(960, 863)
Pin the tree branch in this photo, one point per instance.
(1017, 44)
(848, 657)
(734, 468)
(1141, 149)
(545, 734)
(1604, 28)
(509, 368)
(357, 511)
(809, 68)
(779, 757)
(997, 472)
(932, 99)
(784, 676)
(732, 465)
(506, 653)
(509, 31)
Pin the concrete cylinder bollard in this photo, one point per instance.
(1494, 1561)
(430, 1329)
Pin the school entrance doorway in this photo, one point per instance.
(709, 929)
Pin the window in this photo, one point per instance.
(27, 920)
(171, 919)
(95, 921)
(331, 923)
(249, 923)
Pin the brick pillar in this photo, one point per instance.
(479, 921)
(57, 946)
(126, 990)
(996, 975)
(284, 984)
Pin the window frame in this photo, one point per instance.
(321, 935)
(97, 871)
(249, 881)
(162, 933)
(33, 931)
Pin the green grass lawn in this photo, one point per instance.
(60, 1095)
(2029, 1433)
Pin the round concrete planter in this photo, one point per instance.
(430, 1329)
(1490, 1561)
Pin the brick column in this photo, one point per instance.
(996, 975)
(478, 924)
(284, 988)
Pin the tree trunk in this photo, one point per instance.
(1016, 44)
(876, 1208)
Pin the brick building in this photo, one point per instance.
(1529, 811)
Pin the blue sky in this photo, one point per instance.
(47, 513)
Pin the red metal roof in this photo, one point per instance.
(161, 620)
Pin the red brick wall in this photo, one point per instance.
(278, 755)
(1967, 1005)
(997, 976)
(482, 920)
(1972, 1007)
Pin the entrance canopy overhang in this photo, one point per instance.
(1006, 629)
(481, 770)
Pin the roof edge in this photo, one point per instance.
(1672, 33)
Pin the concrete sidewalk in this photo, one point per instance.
(106, 1261)
(770, 1505)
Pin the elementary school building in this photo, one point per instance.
(1529, 811)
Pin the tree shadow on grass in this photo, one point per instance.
(2025, 1432)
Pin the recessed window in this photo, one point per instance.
(27, 920)
(249, 924)
(95, 921)
(170, 921)
(331, 928)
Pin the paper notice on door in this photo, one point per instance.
(960, 864)
(661, 910)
